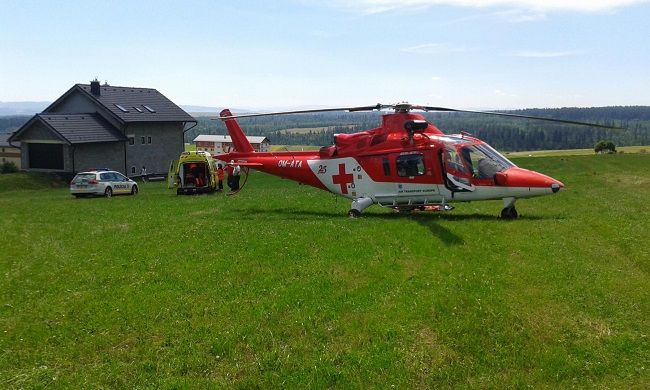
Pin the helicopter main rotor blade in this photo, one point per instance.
(445, 109)
(408, 107)
(377, 106)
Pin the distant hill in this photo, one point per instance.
(11, 123)
(22, 108)
(201, 110)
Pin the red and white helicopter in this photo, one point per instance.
(405, 164)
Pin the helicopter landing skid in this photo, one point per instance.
(436, 208)
(358, 205)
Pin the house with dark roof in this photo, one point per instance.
(93, 126)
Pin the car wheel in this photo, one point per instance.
(134, 190)
(108, 192)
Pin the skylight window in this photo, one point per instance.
(149, 108)
(138, 109)
(121, 108)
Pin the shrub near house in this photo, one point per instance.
(8, 167)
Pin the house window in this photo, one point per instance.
(131, 140)
(149, 139)
(149, 108)
(142, 140)
(133, 170)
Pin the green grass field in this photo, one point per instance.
(576, 152)
(293, 148)
(276, 287)
(534, 153)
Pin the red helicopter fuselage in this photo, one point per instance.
(406, 164)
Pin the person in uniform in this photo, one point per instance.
(220, 175)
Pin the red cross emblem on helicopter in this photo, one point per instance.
(343, 179)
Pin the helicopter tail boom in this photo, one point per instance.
(239, 140)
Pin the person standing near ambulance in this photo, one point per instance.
(229, 168)
(236, 170)
(220, 174)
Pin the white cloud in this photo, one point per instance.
(501, 93)
(379, 6)
(432, 48)
(520, 16)
(544, 54)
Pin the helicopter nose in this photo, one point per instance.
(519, 177)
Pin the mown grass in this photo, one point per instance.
(276, 287)
(576, 152)
(283, 148)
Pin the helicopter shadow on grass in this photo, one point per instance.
(427, 220)
(431, 222)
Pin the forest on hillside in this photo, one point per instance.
(502, 133)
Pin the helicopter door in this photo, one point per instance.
(456, 175)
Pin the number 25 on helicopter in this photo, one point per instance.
(405, 164)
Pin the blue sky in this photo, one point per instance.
(492, 54)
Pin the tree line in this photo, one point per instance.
(503, 133)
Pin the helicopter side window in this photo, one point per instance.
(410, 165)
(386, 165)
(455, 161)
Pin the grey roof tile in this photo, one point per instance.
(82, 128)
(4, 141)
(135, 101)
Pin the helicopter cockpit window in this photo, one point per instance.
(483, 161)
(410, 165)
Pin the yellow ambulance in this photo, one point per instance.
(195, 172)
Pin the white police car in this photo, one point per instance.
(102, 182)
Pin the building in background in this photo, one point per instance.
(217, 144)
(9, 152)
(93, 126)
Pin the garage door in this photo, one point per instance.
(46, 156)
